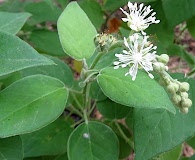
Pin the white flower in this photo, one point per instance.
(138, 19)
(139, 54)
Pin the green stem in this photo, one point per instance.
(96, 59)
(74, 110)
(78, 122)
(76, 100)
(128, 140)
(92, 108)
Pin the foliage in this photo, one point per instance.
(53, 109)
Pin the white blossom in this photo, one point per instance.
(140, 54)
(138, 19)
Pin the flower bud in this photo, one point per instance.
(186, 103)
(172, 88)
(184, 95)
(184, 87)
(176, 99)
(184, 110)
(164, 58)
(158, 66)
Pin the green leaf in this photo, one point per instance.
(162, 130)
(47, 42)
(12, 22)
(76, 32)
(60, 71)
(191, 142)
(16, 55)
(30, 104)
(51, 140)
(94, 12)
(161, 31)
(95, 92)
(144, 92)
(42, 12)
(93, 140)
(11, 148)
(173, 154)
(178, 11)
(191, 26)
(112, 5)
(112, 110)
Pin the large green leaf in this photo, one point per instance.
(191, 142)
(12, 22)
(93, 140)
(16, 54)
(144, 92)
(94, 12)
(162, 130)
(178, 11)
(30, 104)
(60, 71)
(191, 26)
(11, 148)
(111, 5)
(47, 42)
(51, 140)
(112, 110)
(42, 12)
(76, 32)
(161, 31)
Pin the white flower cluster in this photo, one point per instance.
(140, 53)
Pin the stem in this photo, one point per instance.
(77, 102)
(78, 122)
(92, 108)
(87, 102)
(96, 60)
(76, 111)
(128, 140)
(85, 116)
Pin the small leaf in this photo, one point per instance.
(50, 140)
(47, 42)
(11, 148)
(144, 92)
(76, 32)
(162, 130)
(16, 55)
(12, 22)
(93, 140)
(30, 104)
(112, 110)
(172, 154)
(95, 92)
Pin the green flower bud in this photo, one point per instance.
(184, 87)
(186, 103)
(159, 67)
(184, 95)
(172, 88)
(176, 87)
(176, 99)
(164, 58)
(184, 110)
